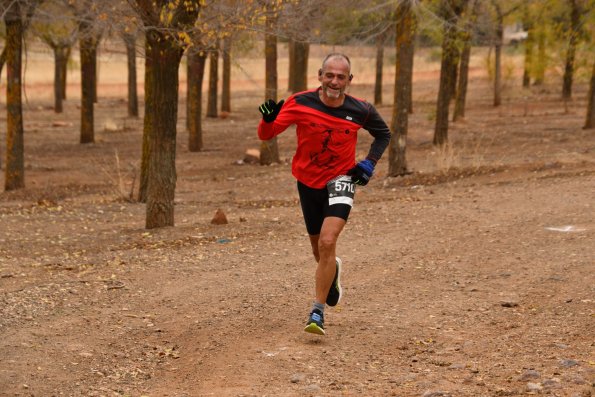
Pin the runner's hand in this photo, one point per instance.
(362, 172)
(270, 109)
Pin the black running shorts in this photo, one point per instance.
(315, 207)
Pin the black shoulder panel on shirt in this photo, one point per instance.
(352, 109)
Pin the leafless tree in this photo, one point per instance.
(226, 74)
(129, 39)
(463, 75)
(405, 21)
(196, 60)
(297, 22)
(217, 21)
(213, 80)
(574, 33)
(56, 27)
(529, 27)
(91, 18)
(14, 176)
(16, 14)
(590, 119)
(451, 11)
(166, 37)
(269, 150)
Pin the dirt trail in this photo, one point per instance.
(471, 277)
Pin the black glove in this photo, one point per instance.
(362, 172)
(270, 110)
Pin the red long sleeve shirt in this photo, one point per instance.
(326, 136)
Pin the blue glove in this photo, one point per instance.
(270, 109)
(362, 172)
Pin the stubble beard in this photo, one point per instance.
(333, 93)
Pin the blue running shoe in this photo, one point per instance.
(315, 324)
(334, 294)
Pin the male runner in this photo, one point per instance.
(327, 122)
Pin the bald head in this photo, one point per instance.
(336, 56)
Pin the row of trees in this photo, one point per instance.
(201, 29)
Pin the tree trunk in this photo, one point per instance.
(498, 58)
(196, 71)
(270, 54)
(529, 44)
(571, 53)
(402, 97)
(497, 75)
(465, 56)
(60, 64)
(451, 9)
(213, 81)
(590, 119)
(95, 71)
(162, 166)
(88, 50)
(269, 150)
(147, 125)
(413, 33)
(2, 60)
(14, 176)
(130, 41)
(461, 95)
(64, 75)
(163, 54)
(226, 90)
(379, 63)
(541, 57)
(300, 69)
(454, 71)
(29, 8)
(291, 71)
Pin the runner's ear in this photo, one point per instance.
(320, 72)
(350, 77)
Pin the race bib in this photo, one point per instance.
(341, 190)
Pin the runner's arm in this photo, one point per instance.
(284, 119)
(376, 126)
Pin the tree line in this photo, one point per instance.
(204, 30)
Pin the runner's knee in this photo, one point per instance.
(327, 242)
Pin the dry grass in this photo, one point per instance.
(247, 69)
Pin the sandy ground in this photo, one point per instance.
(471, 277)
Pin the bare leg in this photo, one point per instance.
(314, 242)
(323, 248)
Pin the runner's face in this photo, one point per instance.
(334, 77)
